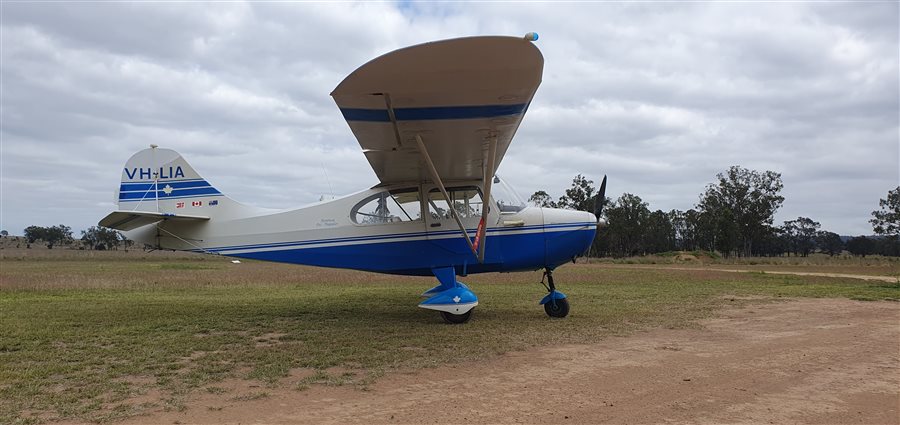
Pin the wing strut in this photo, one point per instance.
(440, 184)
(393, 117)
(491, 153)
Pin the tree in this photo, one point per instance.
(35, 233)
(658, 234)
(726, 232)
(886, 221)
(772, 243)
(830, 243)
(741, 206)
(542, 199)
(52, 236)
(90, 237)
(801, 235)
(888, 246)
(59, 235)
(679, 227)
(627, 217)
(861, 245)
(580, 196)
(102, 238)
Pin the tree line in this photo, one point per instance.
(734, 216)
(95, 237)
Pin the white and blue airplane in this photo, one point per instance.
(434, 120)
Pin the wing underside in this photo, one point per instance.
(457, 95)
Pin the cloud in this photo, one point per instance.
(660, 97)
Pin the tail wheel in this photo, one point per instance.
(557, 308)
(456, 319)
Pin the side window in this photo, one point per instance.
(393, 206)
(466, 201)
(506, 197)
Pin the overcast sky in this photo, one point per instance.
(661, 97)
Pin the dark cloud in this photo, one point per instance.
(659, 96)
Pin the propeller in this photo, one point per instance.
(600, 199)
(599, 203)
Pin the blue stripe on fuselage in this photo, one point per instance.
(505, 252)
(390, 236)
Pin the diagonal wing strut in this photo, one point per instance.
(440, 184)
(491, 155)
(393, 117)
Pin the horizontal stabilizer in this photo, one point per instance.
(129, 220)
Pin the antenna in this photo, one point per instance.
(155, 174)
(330, 188)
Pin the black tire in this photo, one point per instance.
(558, 308)
(457, 319)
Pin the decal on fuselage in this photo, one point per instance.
(327, 222)
(147, 173)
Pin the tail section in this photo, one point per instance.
(159, 180)
(158, 184)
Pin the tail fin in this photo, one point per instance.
(160, 181)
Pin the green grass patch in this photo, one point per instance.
(89, 340)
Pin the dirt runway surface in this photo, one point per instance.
(888, 279)
(822, 361)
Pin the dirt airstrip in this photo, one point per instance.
(823, 361)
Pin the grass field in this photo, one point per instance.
(100, 336)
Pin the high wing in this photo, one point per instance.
(456, 96)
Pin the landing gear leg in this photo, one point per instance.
(555, 303)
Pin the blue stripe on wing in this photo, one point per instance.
(434, 113)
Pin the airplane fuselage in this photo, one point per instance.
(400, 229)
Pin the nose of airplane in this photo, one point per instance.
(555, 216)
(567, 234)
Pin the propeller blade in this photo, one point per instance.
(599, 203)
(600, 199)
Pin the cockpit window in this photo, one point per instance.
(466, 201)
(389, 206)
(506, 197)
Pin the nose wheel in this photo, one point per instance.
(557, 308)
(555, 303)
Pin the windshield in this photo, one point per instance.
(507, 199)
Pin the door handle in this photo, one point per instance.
(435, 225)
(514, 223)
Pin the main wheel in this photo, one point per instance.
(456, 319)
(557, 308)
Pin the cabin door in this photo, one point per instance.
(442, 227)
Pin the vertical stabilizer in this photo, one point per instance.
(159, 180)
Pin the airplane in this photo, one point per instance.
(434, 121)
